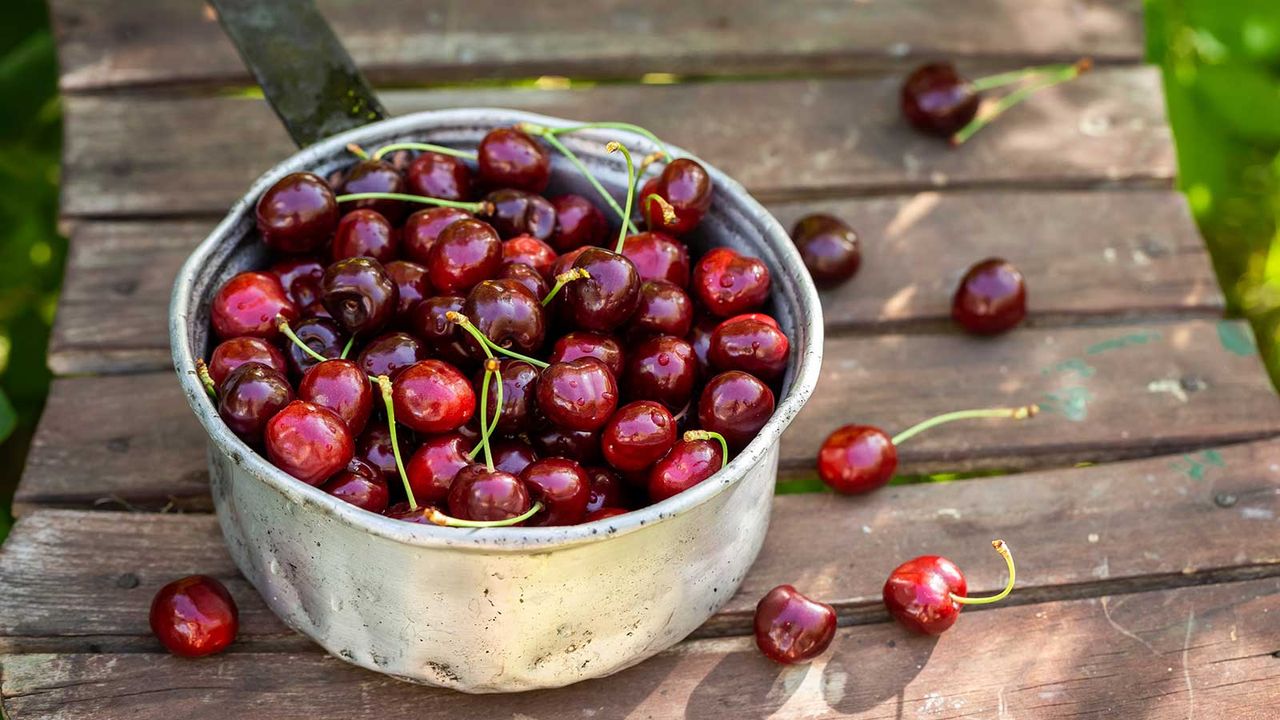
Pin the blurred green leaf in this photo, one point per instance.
(1245, 97)
(8, 417)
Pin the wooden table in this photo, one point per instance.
(1143, 506)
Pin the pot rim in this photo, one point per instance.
(507, 539)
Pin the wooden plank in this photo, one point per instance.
(149, 42)
(1088, 257)
(1107, 392)
(138, 154)
(1192, 652)
(78, 580)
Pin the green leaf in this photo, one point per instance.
(8, 416)
(1245, 97)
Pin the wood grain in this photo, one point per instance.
(174, 155)
(1107, 392)
(1170, 655)
(153, 42)
(1132, 254)
(77, 581)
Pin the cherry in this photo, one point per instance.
(829, 248)
(991, 298)
(658, 257)
(467, 252)
(728, 284)
(563, 488)
(374, 176)
(577, 395)
(374, 448)
(519, 385)
(926, 594)
(479, 493)
(508, 157)
(663, 309)
(431, 396)
(700, 339)
(516, 212)
(300, 277)
(360, 294)
(194, 616)
(297, 214)
(578, 222)
(937, 100)
(579, 344)
(750, 344)
(607, 297)
(249, 396)
(434, 465)
(341, 386)
(528, 278)
(361, 485)
(439, 176)
(662, 368)
(365, 233)
(412, 285)
(249, 304)
(792, 629)
(604, 513)
(429, 321)
(513, 456)
(390, 353)
(605, 489)
(686, 187)
(638, 435)
(322, 336)
(565, 262)
(690, 461)
(580, 445)
(736, 405)
(231, 354)
(423, 228)
(308, 441)
(506, 314)
(531, 251)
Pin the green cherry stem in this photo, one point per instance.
(990, 82)
(384, 383)
(1008, 101)
(572, 157)
(491, 365)
(287, 331)
(668, 212)
(616, 146)
(202, 372)
(1003, 549)
(615, 126)
(476, 208)
(692, 435)
(358, 151)
(484, 421)
(463, 322)
(440, 518)
(1012, 413)
(346, 349)
(563, 279)
(424, 147)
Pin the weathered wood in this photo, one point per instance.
(1107, 392)
(138, 155)
(76, 581)
(150, 42)
(1087, 256)
(1192, 652)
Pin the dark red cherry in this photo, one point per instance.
(300, 277)
(689, 463)
(792, 629)
(563, 488)
(439, 176)
(686, 187)
(506, 314)
(309, 442)
(482, 494)
(297, 214)
(607, 298)
(991, 299)
(937, 100)
(736, 405)
(577, 395)
(529, 279)
(466, 253)
(194, 616)
(322, 335)
(578, 222)
(857, 459)
(658, 257)
(663, 369)
(361, 485)
(728, 284)
(341, 386)
(360, 295)
(580, 344)
(365, 233)
(604, 513)
(664, 309)
(918, 594)
(374, 448)
(434, 465)
(429, 321)
(231, 354)
(565, 262)
(374, 176)
(249, 396)
(513, 456)
(431, 396)
(531, 251)
(638, 435)
(412, 285)
(516, 212)
(423, 228)
(700, 339)
(519, 385)
(605, 489)
(580, 445)
(828, 247)
(509, 158)
(249, 304)
(390, 353)
(750, 344)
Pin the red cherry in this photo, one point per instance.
(341, 386)
(991, 299)
(412, 286)
(519, 386)
(374, 448)
(297, 214)
(466, 253)
(249, 397)
(751, 345)
(937, 100)
(562, 486)
(390, 353)
(231, 354)
(516, 212)
(439, 176)
(429, 321)
(308, 442)
(578, 222)
(361, 485)
(663, 309)
(638, 435)
(300, 277)
(431, 396)
(792, 629)
(926, 594)
(700, 340)
(608, 297)
(365, 233)
(577, 395)
(662, 368)
(605, 489)
(728, 284)
(360, 294)
(322, 335)
(423, 228)
(828, 247)
(249, 304)
(507, 315)
(580, 344)
(686, 187)
(530, 280)
(565, 262)
(509, 158)
(736, 405)
(689, 463)
(658, 257)
(194, 616)
(487, 495)
(513, 456)
(580, 445)
(531, 251)
(434, 466)
(374, 176)
(857, 459)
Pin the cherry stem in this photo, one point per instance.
(484, 422)
(668, 212)
(1013, 413)
(563, 279)
(614, 126)
(384, 383)
(1017, 96)
(1003, 549)
(440, 518)
(648, 160)
(491, 365)
(990, 82)
(202, 372)
(692, 435)
(358, 151)
(283, 326)
(572, 157)
(346, 349)
(486, 344)
(424, 147)
(616, 146)
(477, 208)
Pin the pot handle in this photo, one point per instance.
(305, 72)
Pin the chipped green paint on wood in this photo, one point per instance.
(1195, 466)
(1071, 403)
(1236, 338)
(1071, 365)
(1140, 338)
